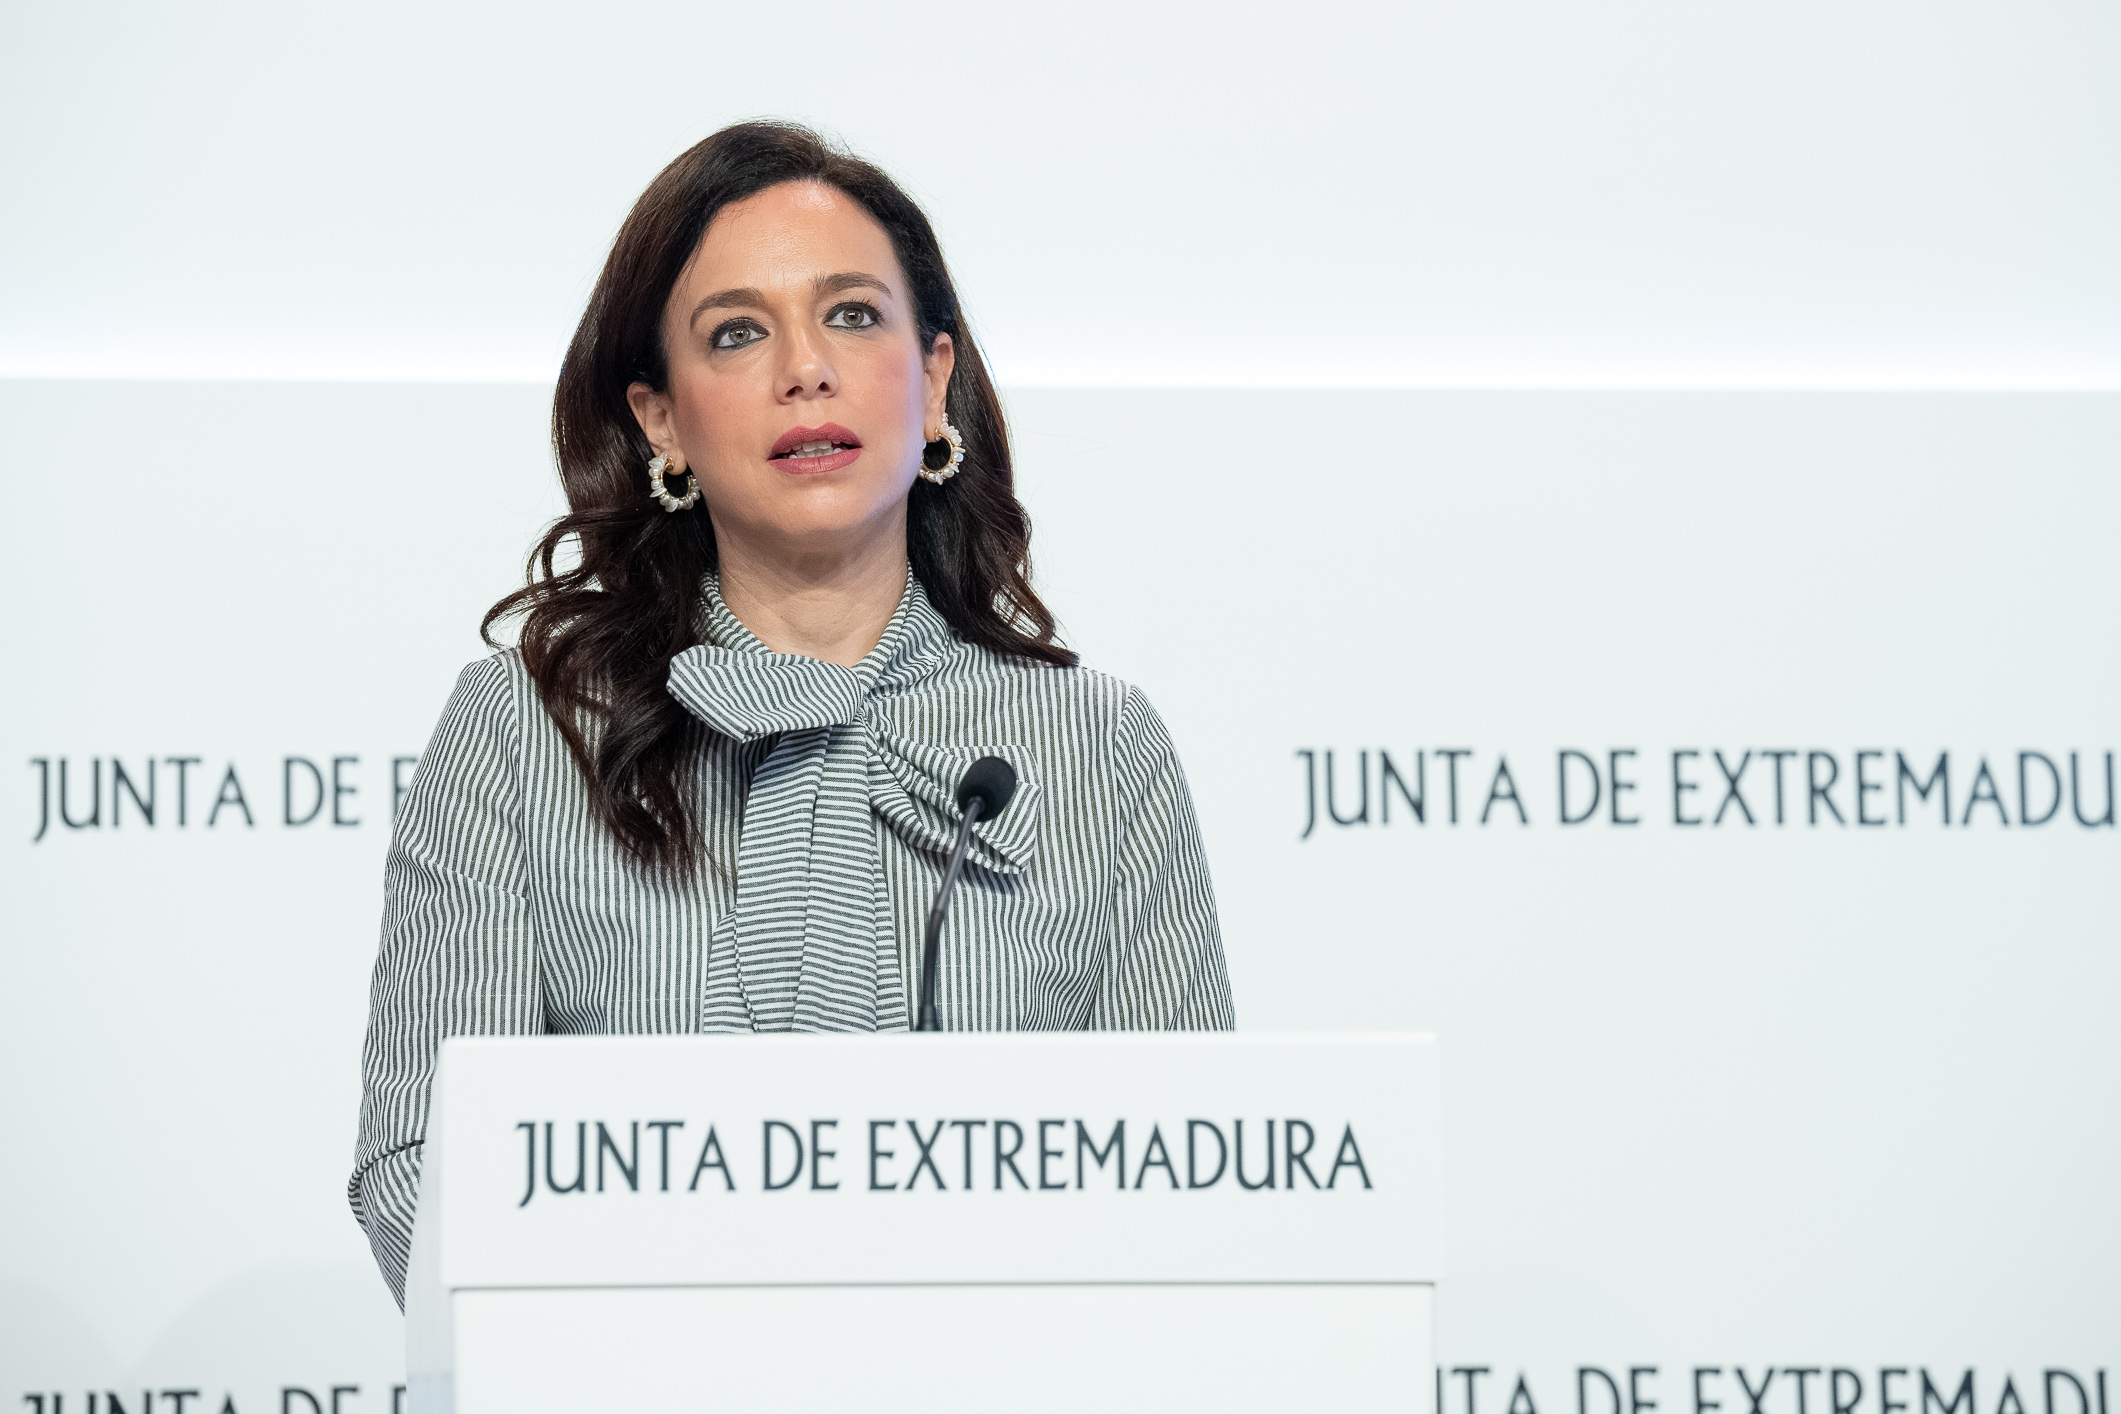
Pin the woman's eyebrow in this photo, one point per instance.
(745, 298)
(749, 297)
(847, 280)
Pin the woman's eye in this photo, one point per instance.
(852, 316)
(737, 333)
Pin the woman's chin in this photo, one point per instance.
(814, 525)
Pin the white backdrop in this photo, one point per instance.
(1141, 192)
(1813, 1096)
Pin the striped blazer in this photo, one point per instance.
(824, 796)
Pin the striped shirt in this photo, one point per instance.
(826, 813)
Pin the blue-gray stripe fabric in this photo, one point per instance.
(825, 801)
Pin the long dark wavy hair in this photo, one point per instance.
(598, 637)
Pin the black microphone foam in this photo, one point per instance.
(992, 782)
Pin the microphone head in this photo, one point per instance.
(992, 782)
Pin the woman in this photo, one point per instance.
(712, 789)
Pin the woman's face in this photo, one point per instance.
(798, 390)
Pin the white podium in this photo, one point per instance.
(928, 1222)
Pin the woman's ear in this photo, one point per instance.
(652, 410)
(936, 365)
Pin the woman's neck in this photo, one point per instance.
(833, 606)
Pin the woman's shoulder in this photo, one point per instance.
(486, 704)
(975, 670)
(1076, 701)
(491, 682)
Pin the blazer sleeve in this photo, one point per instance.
(1165, 971)
(458, 953)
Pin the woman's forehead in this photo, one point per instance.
(789, 235)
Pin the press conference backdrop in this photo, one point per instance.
(1727, 779)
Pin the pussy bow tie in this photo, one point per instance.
(810, 944)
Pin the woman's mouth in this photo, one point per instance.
(807, 451)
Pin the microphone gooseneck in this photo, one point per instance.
(988, 785)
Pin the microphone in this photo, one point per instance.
(984, 793)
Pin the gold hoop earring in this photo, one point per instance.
(956, 440)
(656, 471)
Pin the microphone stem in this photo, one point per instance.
(931, 942)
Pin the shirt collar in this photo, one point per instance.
(915, 637)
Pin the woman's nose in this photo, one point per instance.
(806, 371)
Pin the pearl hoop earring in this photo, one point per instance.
(949, 469)
(657, 469)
